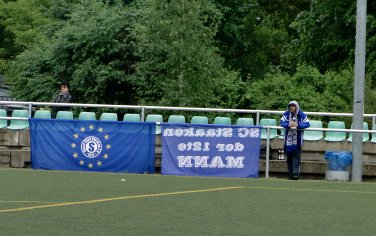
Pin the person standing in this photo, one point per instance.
(294, 121)
(63, 97)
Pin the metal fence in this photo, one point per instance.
(143, 109)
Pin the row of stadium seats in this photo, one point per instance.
(67, 115)
(129, 117)
(310, 135)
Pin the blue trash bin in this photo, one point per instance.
(338, 160)
(338, 163)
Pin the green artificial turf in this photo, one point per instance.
(127, 204)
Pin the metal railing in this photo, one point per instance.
(164, 108)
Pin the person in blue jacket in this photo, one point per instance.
(294, 121)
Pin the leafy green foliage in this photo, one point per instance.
(30, 77)
(253, 34)
(326, 34)
(211, 53)
(313, 90)
(26, 22)
(92, 52)
(179, 65)
(23, 18)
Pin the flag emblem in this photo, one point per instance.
(90, 146)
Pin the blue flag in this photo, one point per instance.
(108, 146)
(210, 150)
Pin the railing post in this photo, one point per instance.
(30, 108)
(267, 152)
(142, 114)
(257, 118)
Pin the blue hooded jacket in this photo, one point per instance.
(294, 137)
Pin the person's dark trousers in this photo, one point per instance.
(53, 113)
(293, 163)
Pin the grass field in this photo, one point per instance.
(74, 203)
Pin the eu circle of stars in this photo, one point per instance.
(77, 154)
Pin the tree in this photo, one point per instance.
(253, 34)
(179, 65)
(371, 46)
(315, 91)
(325, 35)
(92, 51)
(25, 22)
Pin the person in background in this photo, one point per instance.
(294, 121)
(63, 97)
